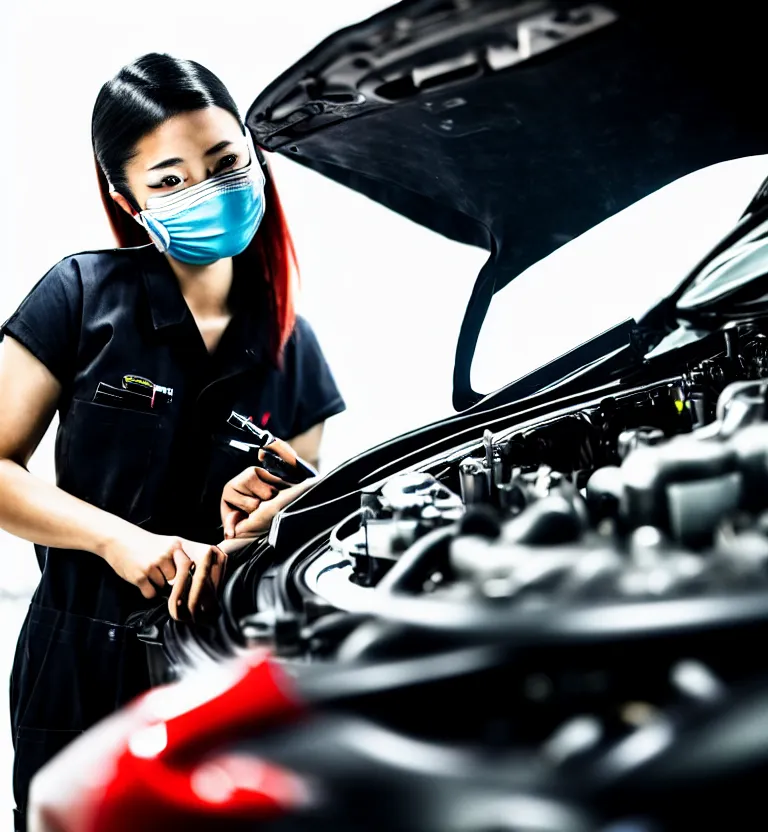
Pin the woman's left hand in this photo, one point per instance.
(253, 497)
(258, 522)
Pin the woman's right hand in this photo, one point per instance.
(149, 561)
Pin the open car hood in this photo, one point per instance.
(517, 126)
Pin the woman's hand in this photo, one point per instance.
(243, 495)
(259, 521)
(150, 561)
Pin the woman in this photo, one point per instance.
(145, 351)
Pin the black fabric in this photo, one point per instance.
(48, 320)
(69, 672)
(314, 397)
(93, 318)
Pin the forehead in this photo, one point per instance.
(187, 135)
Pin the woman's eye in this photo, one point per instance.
(168, 182)
(226, 161)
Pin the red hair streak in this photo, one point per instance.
(272, 249)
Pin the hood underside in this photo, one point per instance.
(517, 126)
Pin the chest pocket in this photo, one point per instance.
(108, 454)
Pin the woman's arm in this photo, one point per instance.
(307, 444)
(29, 507)
(45, 514)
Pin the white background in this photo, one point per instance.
(384, 295)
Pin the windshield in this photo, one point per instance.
(617, 270)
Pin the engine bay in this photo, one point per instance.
(657, 493)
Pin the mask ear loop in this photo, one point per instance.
(156, 234)
(137, 215)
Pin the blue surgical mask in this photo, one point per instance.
(214, 219)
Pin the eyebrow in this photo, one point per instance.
(177, 160)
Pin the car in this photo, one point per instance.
(547, 611)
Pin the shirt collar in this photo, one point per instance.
(168, 309)
(166, 303)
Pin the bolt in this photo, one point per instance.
(538, 688)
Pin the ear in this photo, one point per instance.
(124, 204)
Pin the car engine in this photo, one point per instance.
(659, 493)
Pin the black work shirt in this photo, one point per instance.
(98, 316)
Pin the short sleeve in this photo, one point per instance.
(47, 322)
(317, 397)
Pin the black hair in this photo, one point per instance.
(142, 96)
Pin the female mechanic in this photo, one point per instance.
(195, 308)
